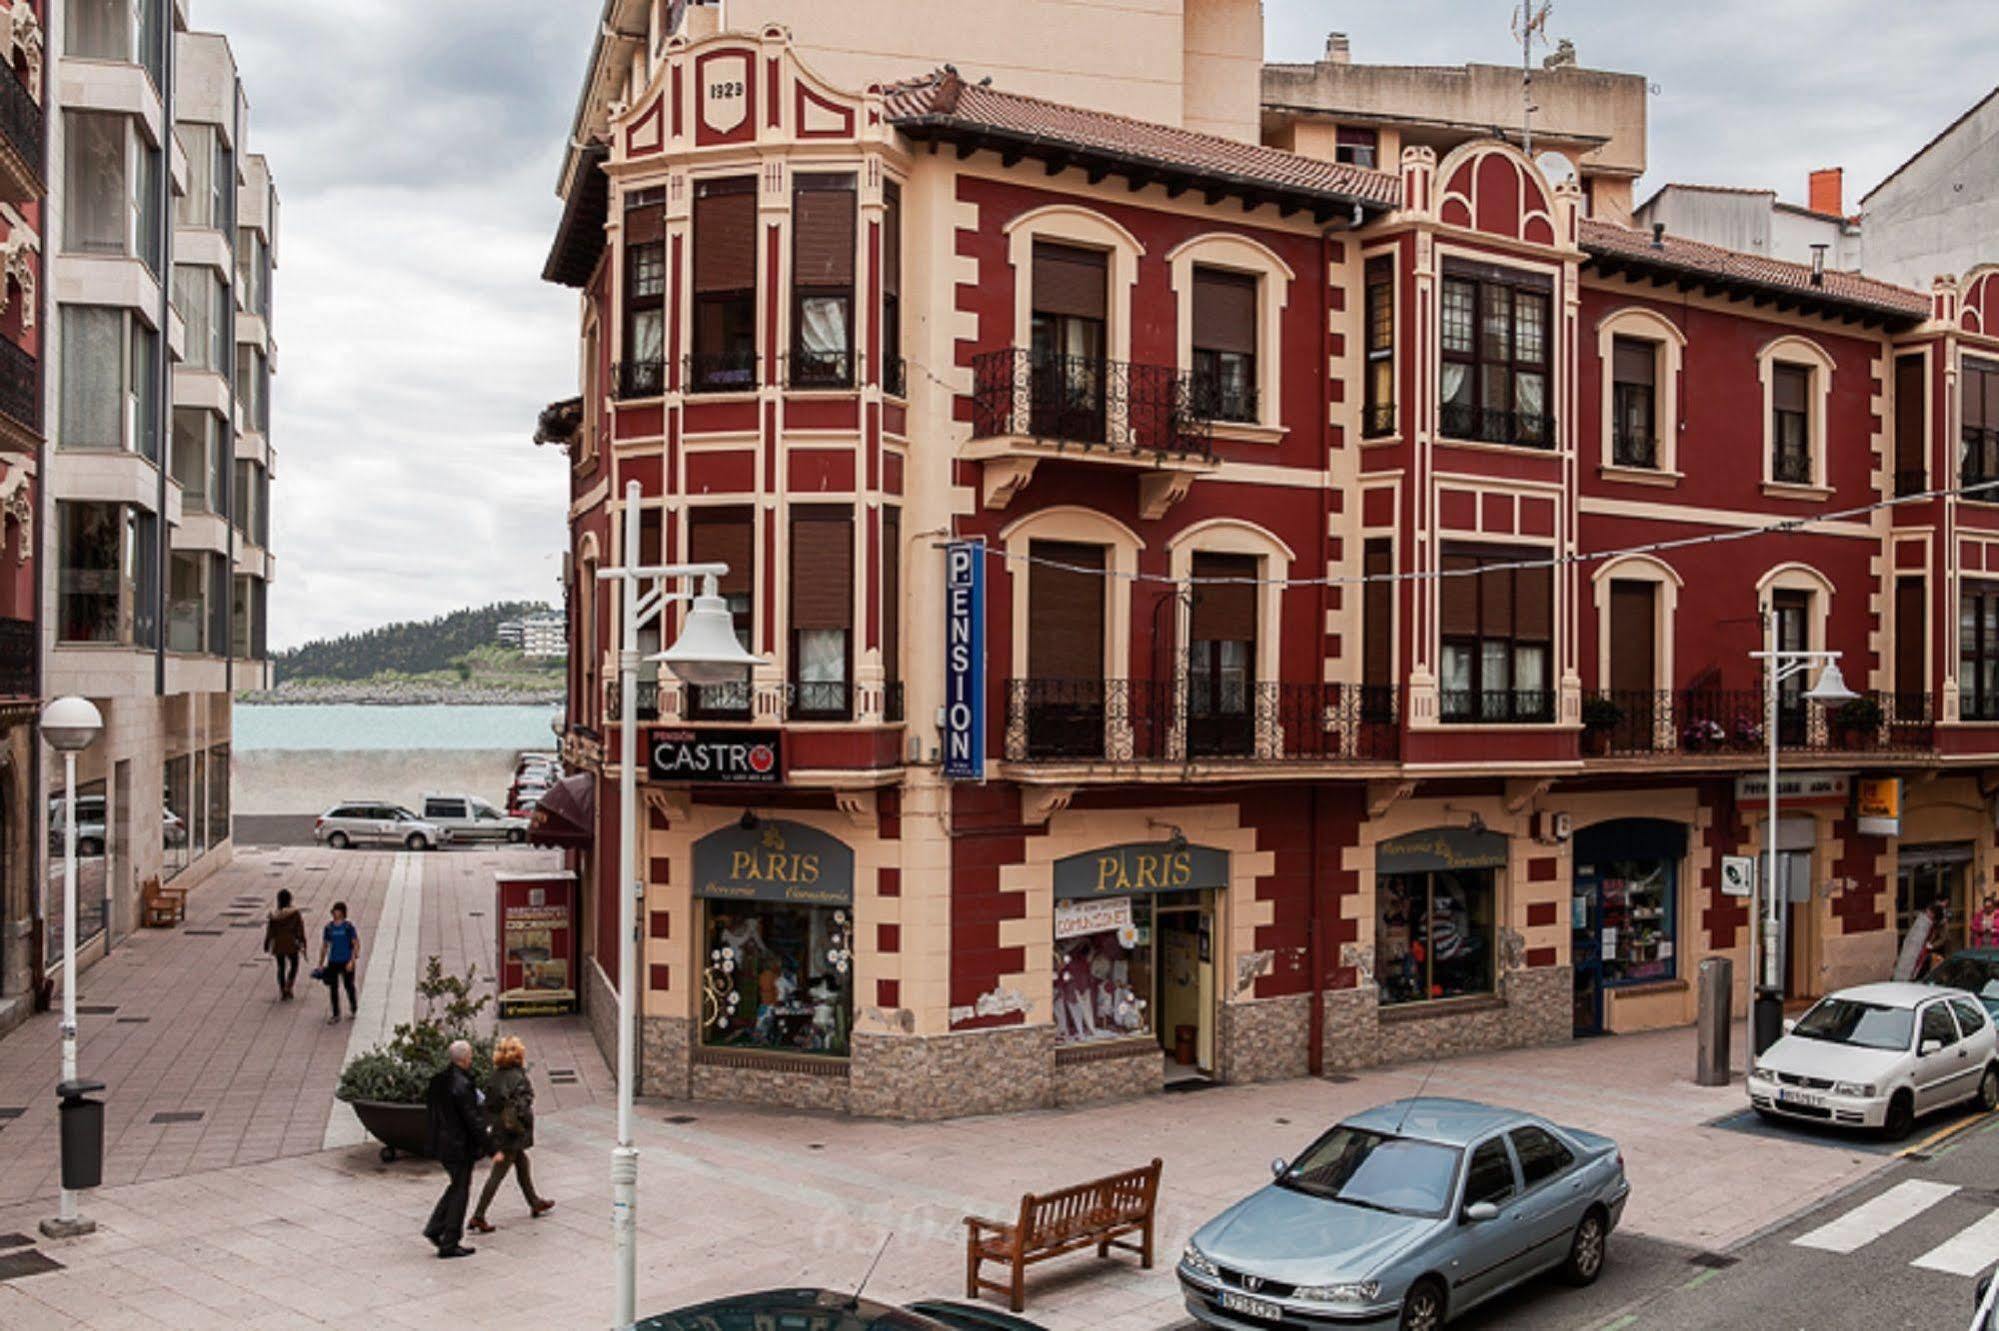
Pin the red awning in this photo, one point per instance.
(567, 815)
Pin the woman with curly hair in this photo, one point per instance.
(510, 1111)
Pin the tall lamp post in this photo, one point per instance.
(69, 726)
(1766, 901)
(707, 652)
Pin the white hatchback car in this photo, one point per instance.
(1877, 1056)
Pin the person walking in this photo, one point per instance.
(339, 951)
(284, 939)
(510, 1117)
(456, 1138)
(1985, 923)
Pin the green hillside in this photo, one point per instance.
(461, 642)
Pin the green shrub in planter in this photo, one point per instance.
(1860, 715)
(399, 1072)
(1601, 713)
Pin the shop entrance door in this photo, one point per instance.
(1794, 872)
(1929, 874)
(1184, 984)
(1586, 955)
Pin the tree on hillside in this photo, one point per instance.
(411, 648)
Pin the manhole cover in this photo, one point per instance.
(29, 1262)
(179, 1116)
(1713, 1261)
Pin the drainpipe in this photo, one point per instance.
(1314, 958)
(1315, 1057)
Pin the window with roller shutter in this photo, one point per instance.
(822, 281)
(1221, 654)
(1978, 398)
(1065, 688)
(1911, 426)
(891, 607)
(643, 370)
(1377, 630)
(822, 612)
(1069, 330)
(1497, 631)
(726, 536)
(1911, 637)
(1633, 406)
(1224, 345)
(893, 378)
(1790, 424)
(725, 285)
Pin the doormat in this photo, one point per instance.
(30, 1262)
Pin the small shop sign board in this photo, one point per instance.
(728, 757)
(1142, 866)
(1073, 919)
(1441, 849)
(1738, 875)
(1877, 805)
(965, 661)
(774, 861)
(536, 915)
(1797, 790)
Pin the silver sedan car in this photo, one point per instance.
(1406, 1216)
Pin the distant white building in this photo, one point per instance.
(1936, 213)
(1756, 221)
(508, 633)
(543, 636)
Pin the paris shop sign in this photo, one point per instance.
(733, 757)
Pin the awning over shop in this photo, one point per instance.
(1631, 839)
(566, 817)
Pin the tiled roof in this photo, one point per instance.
(944, 100)
(1607, 241)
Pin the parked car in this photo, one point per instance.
(1985, 1316)
(469, 818)
(360, 823)
(829, 1310)
(1878, 1056)
(90, 815)
(1409, 1214)
(1975, 970)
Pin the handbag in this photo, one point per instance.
(319, 973)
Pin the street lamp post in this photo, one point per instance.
(1766, 899)
(69, 726)
(707, 652)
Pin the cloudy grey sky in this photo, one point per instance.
(415, 144)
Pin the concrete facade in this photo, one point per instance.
(1936, 214)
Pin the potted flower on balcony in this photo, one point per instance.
(1601, 715)
(1858, 722)
(1748, 731)
(1702, 733)
(386, 1084)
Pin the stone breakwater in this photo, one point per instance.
(402, 693)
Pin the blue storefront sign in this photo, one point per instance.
(965, 660)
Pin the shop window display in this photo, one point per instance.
(1636, 923)
(1103, 969)
(1435, 936)
(778, 977)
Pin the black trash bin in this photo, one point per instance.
(82, 1123)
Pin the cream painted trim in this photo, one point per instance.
(1239, 254)
(1665, 605)
(1792, 349)
(1712, 517)
(1074, 225)
(1084, 527)
(1668, 348)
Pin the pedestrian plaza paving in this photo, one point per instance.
(241, 1218)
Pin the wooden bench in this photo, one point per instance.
(161, 907)
(1090, 1215)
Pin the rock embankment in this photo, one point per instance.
(404, 692)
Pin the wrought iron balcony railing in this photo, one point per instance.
(1113, 405)
(1525, 429)
(17, 658)
(820, 369)
(20, 382)
(1620, 723)
(720, 372)
(23, 123)
(639, 378)
(1490, 706)
(1115, 720)
(1633, 448)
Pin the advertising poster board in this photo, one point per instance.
(536, 919)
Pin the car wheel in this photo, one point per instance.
(1901, 1118)
(417, 841)
(1423, 1307)
(1586, 1249)
(1988, 1090)
(516, 835)
(337, 840)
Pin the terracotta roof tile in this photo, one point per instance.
(1608, 240)
(946, 99)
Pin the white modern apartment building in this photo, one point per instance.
(544, 636)
(162, 228)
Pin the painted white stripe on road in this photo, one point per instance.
(1870, 1220)
(388, 989)
(1968, 1252)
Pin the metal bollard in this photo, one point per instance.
(1714, 1024)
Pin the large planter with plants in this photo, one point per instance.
(386, 1085)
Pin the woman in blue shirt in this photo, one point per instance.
(339, 950)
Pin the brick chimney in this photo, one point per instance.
(1828, 192)
(1339, 51)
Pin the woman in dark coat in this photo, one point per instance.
(510, 1117)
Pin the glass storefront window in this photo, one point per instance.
(1435, 935)
(92, 867)
(778, 977)
(1103, 969)
(218, 797)
(1934, 874)
(176, 816)
(1636, 921)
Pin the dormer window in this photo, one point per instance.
(1358, 145)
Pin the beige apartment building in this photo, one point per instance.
(162, 227)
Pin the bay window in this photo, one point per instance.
(1978, 452)
(187, 602)
(1378, 412)
(644, 365)
(1978, 652)
(893, 371)
(1498, 636)
(107, 578)
(198, 298)
(110, 381)
(197, 459)
(1224, 345)
(822, 281)
(822, 612)
(726, 536)
(725, 285)
(98, 217)
(1495, 375)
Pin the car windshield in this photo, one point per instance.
(1378, 1171)
(1848, 1021)
(1974, 975)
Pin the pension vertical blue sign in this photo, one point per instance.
(965, 660)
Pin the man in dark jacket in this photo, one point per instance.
(457, 1138)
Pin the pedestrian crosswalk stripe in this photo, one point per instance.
(1871, 1219)
(1967, 1252)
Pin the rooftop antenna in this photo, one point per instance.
(1529, 21)
(854, 1300)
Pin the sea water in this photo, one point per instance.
(362, 726)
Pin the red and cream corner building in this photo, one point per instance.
(1319, 731)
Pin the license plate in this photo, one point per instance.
(1242, 1303)
(1806, 1099)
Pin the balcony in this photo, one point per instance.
(1496, 706)
(21, 135)
(648, 701)
(1156, 721)
(1522, 429)
(819, 370)
(1143, 412)
(1724, 724)
(18, 643)
(20, 397)
(721, 372)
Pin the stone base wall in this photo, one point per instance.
(1264, 1040)
(1534, 1007)
(600, 1006)
(743, 1084)
(663, 1057)
(1140, 1071)
(953, 1076)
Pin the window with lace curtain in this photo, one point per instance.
(822, 281)
(1495, 367)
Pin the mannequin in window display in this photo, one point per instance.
(824, 1033)
(1398, 957)
(1075, 1011)
(1452, 944)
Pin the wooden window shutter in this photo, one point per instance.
(822, 568)
(1911, 679)
(891, 239)
(1065, 612)
(1226, 611)
(1633, 645)
(822, 231)
(1377, 614)
(1458, 595)
(1534, 601)
(1789, 387)
(1069, 281)
(1909, 425)
(1224, 311)
(725, 235)
(725, 536)
(1632, 361)
(891, 593)
(645, 222)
